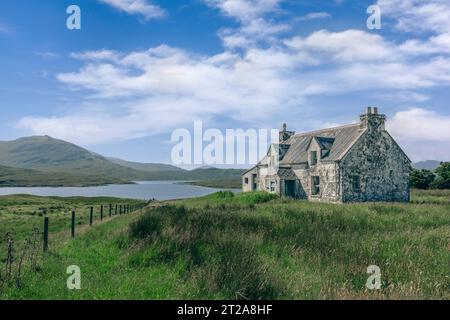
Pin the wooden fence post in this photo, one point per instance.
(73, 224)
(115, 211)
(110, 210)
(120, 209)
(45, 234)
(101, 212)
(91, 216)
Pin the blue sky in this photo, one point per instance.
(138, 69)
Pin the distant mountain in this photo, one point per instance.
(428, 164)
(59, 160)
(147, 167)
(44, 153)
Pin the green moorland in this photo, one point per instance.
(45, 161)
(219, 184)
(22, 214)
(252, 246)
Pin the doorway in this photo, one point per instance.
(289, 188)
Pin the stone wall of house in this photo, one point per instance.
(248, 179)
(382, 168)
(328, 172)
(264, 175)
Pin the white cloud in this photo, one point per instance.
(163, 88)
(314, 16)
(434, 45)
(244, 10)
(424, 134)
(419, 124)
(103, 54)
(257, 25)
(164, 81)
(137, 7)
(418, 15)
(349, 45)
(252, 33)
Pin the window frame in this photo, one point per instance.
(314, 157)
(315, 187)
(272, 186)
(356, 183)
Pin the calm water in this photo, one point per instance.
(160, 190)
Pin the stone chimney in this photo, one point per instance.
(285, 134)
(372, 120)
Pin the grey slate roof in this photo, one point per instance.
(287, 174)
(338, 140)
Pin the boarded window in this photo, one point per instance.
(313, 158)
(356, 181)
(246, 180)
(315, 188)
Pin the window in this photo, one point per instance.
(272, 186)
(315, 187)
(313, 158)
(246, 180)
(356, 183)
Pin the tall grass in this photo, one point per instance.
(256, 246)
(292, 249)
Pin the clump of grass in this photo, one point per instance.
(256, 197)
(224, 195)
(241, 273)
(217, 262)
(147, 226)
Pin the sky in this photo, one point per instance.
(139, 69)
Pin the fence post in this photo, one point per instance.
(45, 234)
(101, 212)
(120, 209)
(91, 216)
(73, 224)
(110, 210)
(115, 211)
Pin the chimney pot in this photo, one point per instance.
(375, 110)
(369, 110)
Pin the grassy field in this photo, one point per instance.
(253, 246)
(219, 184)
(21, 214)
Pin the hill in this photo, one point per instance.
(44, 153)
(147, 167)
(65, 160)
(428, 165)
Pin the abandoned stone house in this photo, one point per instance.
(354, 163)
